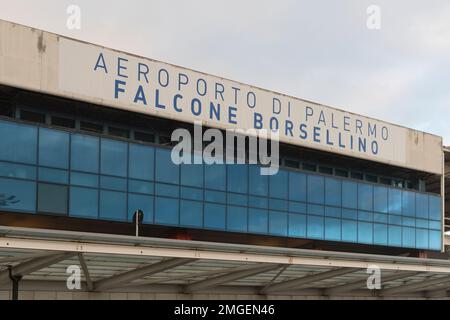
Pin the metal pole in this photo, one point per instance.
(443, 201)
(136, 213)
(15, 284)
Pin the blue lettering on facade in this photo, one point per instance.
(251, 99)
(288, 128)
(196, 107)
(303, 133)
(140, 96)
(143, 70)
(232, 115)
(121, 67)
(101, 63)
(175, 102)
(220, 89)
(257, 121)
(316, 134)
(117, 88)
(319, 126)
(274, 124)
(214, 112)
(163, 78)
(183, 80)
(201, 89)
(329, 142)
(157, 104)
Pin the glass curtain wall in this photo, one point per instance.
(48, 171)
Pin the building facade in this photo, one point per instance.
(85, 142)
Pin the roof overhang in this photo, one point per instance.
(134, 264)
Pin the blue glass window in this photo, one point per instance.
(349, 214)
(215, 177)
(297, 186)
(141, 162)
(191, 193)
(11, 170)
(237, 178)
(191, 213)
(258, 184)
(409, 237)
(408, 203)
(380, 199)
(395, 236)
(53, 148)
(166, 211)
(83, 202)
(349, 230)
(297, 225)
(365, 197)
(18, 142)
(17, 195)
(381, 218)
(166, 170)
(421, 238)
(276, 204)
(394, 219)
(112, 183)
(258, 202)
(167, 190)
(53, 175)
(435, 240)
(84, 153)
(332, 229)
(278, 223)
(140, 202)
(237, 199)
(114, 158)
(315, 228)
(333, 212)
(192, 175)
(408, 222)
(422, 206)
(136, 186)
(297, 207)
(435, 212)
(52, 198)
(113, 205)
(237, 218)
(316, 209)
(436, 225)
(365, 216)
(365, 232)
(214, 216)
(258, 221)
(278, 185)
(215, 196)
(422, 223)
(349, 194)
(395, 201)
(380, 234)
(316, 189)
(370, 213)
(333, 192)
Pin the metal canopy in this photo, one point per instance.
(129, 264)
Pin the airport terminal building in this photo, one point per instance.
(85, 141)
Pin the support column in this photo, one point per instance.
(15, 284)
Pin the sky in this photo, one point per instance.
(319, 50)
